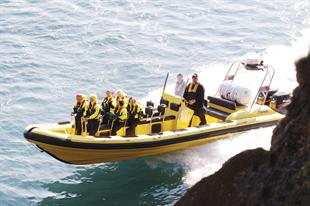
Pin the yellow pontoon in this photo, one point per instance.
(165, 128)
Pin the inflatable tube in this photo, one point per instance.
(236, 93)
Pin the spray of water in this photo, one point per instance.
(201, 161)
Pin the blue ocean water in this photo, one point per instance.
(50, 50)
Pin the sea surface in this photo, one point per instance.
(50, 50)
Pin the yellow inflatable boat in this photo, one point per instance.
(166, 128)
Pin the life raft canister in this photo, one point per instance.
(230, 91)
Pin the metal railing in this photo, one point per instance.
(264, 86)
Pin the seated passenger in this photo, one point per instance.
(135, 113)
(180, 86)
(79, 111)
(108, 105)
(121, 95)
(93, 115)
(121, 116)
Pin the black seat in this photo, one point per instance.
(222, 102)
(150, 103)
(157, 119)
(154, 115)
(217, 113)
(149, 111)
(175, 107)
(270, 95)
(162, 109)
(164, 101)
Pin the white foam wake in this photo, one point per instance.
(204, 160)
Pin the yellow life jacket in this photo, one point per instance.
(124, 99)
(193, 87)
(94, 111)
(121, 113)
(108, 104)
(80, 109)
(135, 110)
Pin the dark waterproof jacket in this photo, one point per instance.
(197, 92)
(80, 109)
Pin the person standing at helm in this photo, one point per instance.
(180, 85)
(194, 96)
(93, 115)
(135, 113)
(121, 116)
(108, 105)
(79, 111)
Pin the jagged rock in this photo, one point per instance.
(219, 188)
(279, 177)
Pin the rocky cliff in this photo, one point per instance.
(280, 176)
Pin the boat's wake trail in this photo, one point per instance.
(204, 160)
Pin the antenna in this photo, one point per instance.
(261, 52)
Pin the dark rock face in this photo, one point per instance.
(280, 176)
(220, 188)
